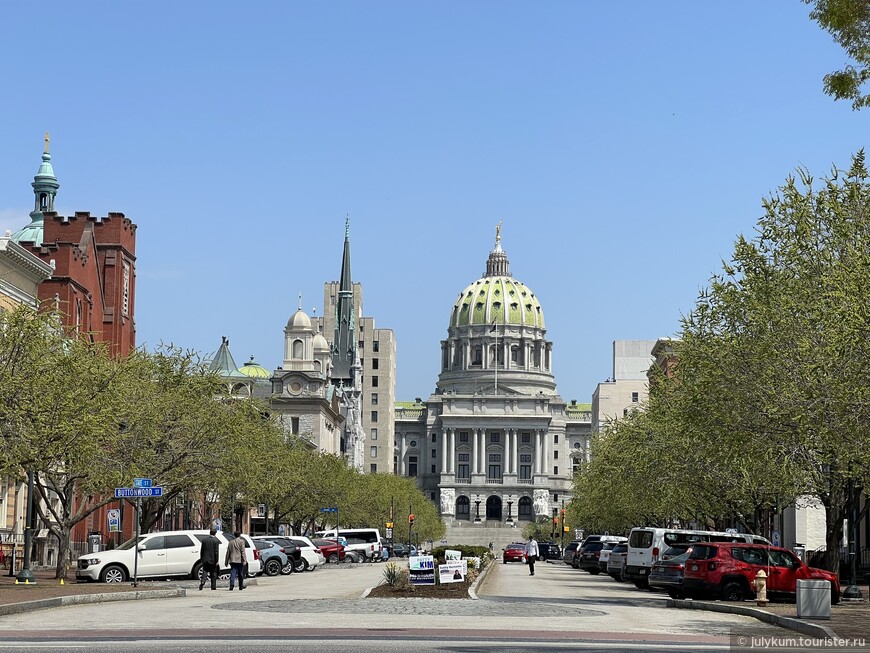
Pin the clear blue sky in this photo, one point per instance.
(624, 145)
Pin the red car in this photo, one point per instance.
(514, 553)
(727, 570)
(332, 550)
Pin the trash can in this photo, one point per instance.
(813, 599)
(95, 542)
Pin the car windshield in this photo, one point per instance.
(129, 543)
(619, 548)
(702, 552)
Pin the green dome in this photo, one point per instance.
(497, 300)
(255, 371)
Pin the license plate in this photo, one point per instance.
(694, 567)
(642, 572)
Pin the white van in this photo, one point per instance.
(365, 540)
(160, 555)
(646, 546)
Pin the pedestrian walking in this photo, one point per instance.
(236, 560)
(208, 556)
(531, 554)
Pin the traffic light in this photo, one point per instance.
(555, 521)
(410, 520)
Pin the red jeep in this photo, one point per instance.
(727, 571)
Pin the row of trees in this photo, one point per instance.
(769, 399)
(85, 422)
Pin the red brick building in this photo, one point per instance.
(93, 285)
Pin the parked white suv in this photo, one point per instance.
(364, 541)
(160, 555)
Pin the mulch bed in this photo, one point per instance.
(447, 591)
(48, 587)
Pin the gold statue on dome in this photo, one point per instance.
(47, 139)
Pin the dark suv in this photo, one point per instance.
(568, 553)
(549, 551)
(587, 556)
(727, 570)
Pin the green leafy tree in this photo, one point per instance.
(848, 21)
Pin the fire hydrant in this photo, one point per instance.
(761, 588)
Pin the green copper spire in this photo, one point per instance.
(45, 189)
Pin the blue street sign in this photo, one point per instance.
(329, 510)
(137, 492)
(141, 482)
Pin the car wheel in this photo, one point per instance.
(504, 561)
(835, 598)
(113, 574)
(333, 557)
(732, 592)
(224, 575)
(595, 571)
(641, 584)
(300, 565)
(287, 569)
(272, 567)
(197, 573)
(677, 595)
(351, 558)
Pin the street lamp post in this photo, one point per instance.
(477, 507)
(510, 503)
(852, 591)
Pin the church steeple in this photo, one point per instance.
(344, 341)
(45, 189)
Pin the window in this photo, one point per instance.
(495, 438)
(412, 465)
(463, 436)
(374, 452)
(525, 508)
(476, 355)
(526, 472)
(556, 469)
(525, 457)
(361, 344)
(298, 349)
(556, 439)
(374, 416)
(464, 457)
(433, 469)
(374, 399)
(433, 437)
(374, 363)
(374, 382)
(462, 471)
(294, 425)
(413, 444)
(434, 453)
(178, 541)
(495, 457)
(555, 455)
(463, 508)
(376, 345)
(555, 497)
(374, 434)
(374, 468)
(153, 543)
(526, 438)
(125, 300)
(494, 472)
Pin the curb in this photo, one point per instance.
(76, 599)
(472, 591)
(804, 627)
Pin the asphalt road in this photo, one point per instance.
(556, 610)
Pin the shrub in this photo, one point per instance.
(392, 574)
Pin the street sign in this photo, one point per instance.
(114, 518)
(141, 482)
(137, 492)
(775, 538)
(329, 510)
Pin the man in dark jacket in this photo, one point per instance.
(208, 555)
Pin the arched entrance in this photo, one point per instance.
(524, 509)
(463, 508)
(493, 508)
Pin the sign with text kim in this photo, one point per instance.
(454, 571)
(422, 570)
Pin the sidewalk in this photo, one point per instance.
(48, 587)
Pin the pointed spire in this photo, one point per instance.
(344, 342)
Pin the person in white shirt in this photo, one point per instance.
(531, 554)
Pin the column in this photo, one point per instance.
(515, 458)
(474, 469)
(451, 452)
(444, 466)
(402, 468)
(537, 451)
(466, 360)
(545, 457)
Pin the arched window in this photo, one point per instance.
(525, 509)
(463, 508)
(298, 350)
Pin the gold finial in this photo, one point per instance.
(300, 300)
(47, 139)
(498, 231)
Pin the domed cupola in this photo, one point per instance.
(45, 187)
(254, 370)
(496, 340)
(497, 298)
